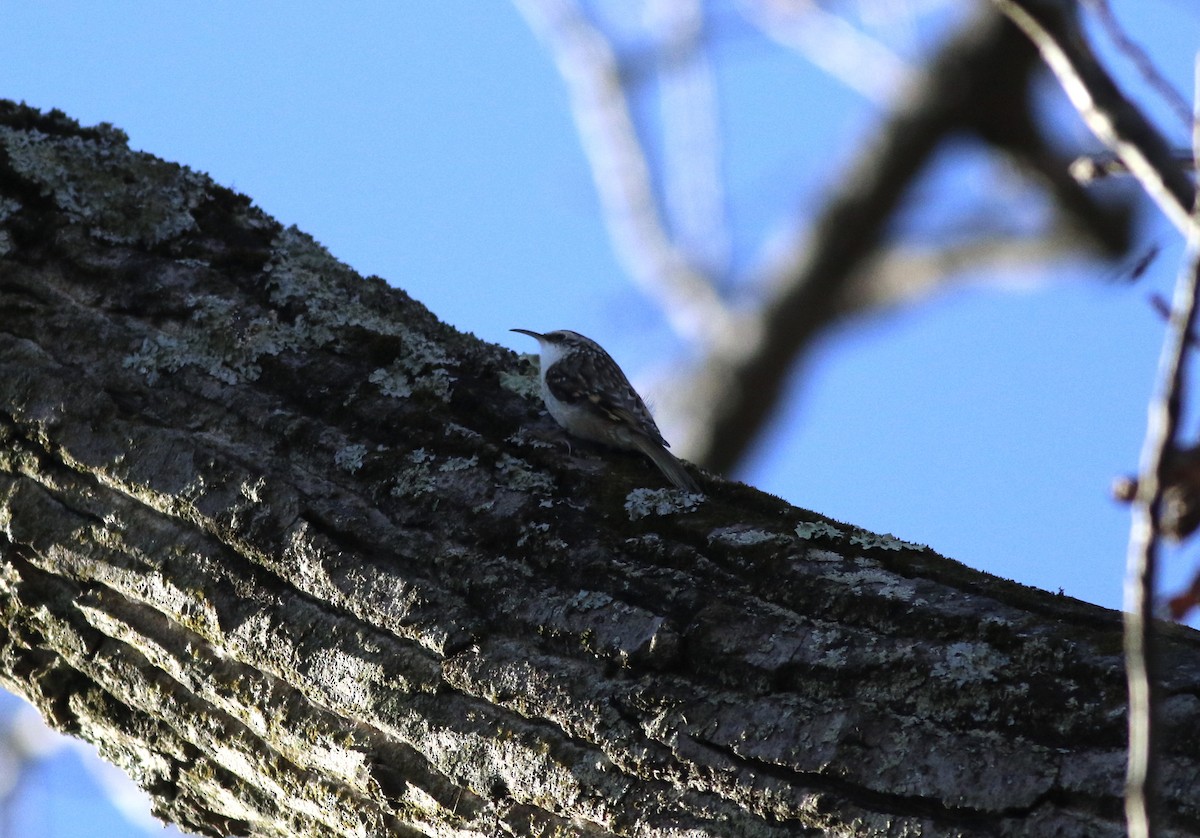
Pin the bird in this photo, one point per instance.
(588, 395)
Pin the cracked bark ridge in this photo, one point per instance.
(305, 561)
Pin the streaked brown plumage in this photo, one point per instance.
(588, 394)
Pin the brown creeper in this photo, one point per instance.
(586, 392)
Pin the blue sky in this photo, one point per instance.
(431, 144)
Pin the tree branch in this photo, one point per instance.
(1053, 26)
(738, 383)
(586, 62)
(747, 353)
(306, 561)
(1140, 60)
(1157, 463)
(860, 62)
(1142, 778)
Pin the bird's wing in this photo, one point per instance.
(574, 384)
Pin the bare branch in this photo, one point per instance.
(829, 41)
(297, 555)
(1141, 779)
(904, 275)
(801, 291)
(1142, 772)
(692, 187)
(588, 65)
(1054, 27)
(1140, 60)
(739, 383)
(1090, 167)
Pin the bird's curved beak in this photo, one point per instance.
(534, 335)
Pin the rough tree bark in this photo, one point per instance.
(305, 561)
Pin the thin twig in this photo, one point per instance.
(1141, 776)
(1052, 25)
(1140, 60)
(1091, 167)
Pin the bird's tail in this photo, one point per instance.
(668, 464)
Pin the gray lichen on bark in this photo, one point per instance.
(304, 560)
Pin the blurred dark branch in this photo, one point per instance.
(1053, 25)
(978, 84)
(1011, 128)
